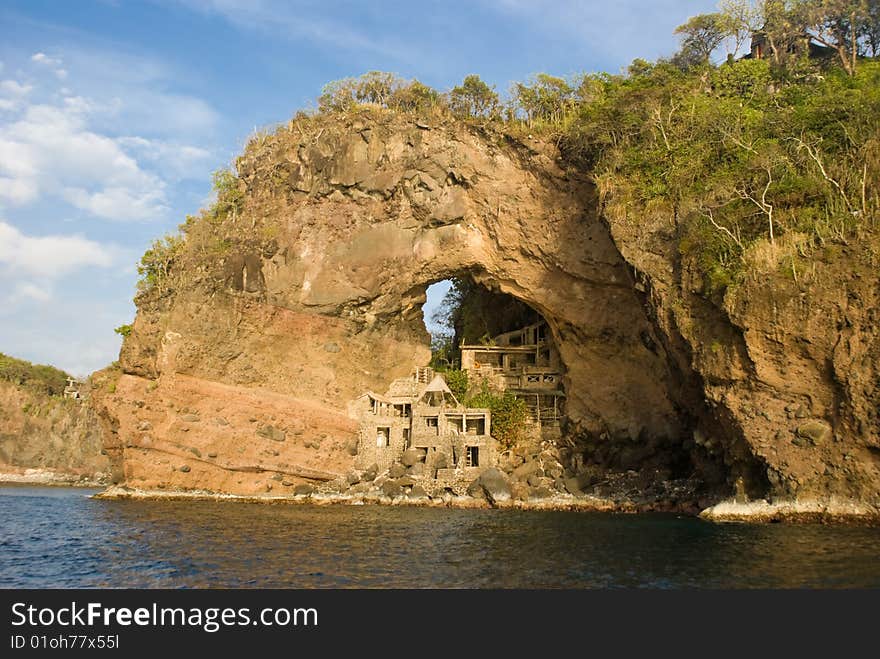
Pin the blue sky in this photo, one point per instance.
(113, 114)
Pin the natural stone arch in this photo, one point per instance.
(343, 229)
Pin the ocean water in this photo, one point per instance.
(59, 537)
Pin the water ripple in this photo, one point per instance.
(56, 537)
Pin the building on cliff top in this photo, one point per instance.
(72, 389)
(419, 423)
(524, 362)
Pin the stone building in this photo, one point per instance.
(524, 362)
(420, 424)
(72, 389)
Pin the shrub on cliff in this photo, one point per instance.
(45, 379)
(509, 414)
(155, 266)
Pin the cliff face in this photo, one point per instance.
(49, 434)
(247, 358)
(788, 362)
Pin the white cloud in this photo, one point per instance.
(50, 150)
(17, 191)
(49, 257)
(52, 62)
(12, 94)
(14, 89)
(132, 91)
(118, 203)
(179, 160)
(43, 58)
(59, 142)
(30, 291)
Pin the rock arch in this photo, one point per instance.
(346, 225)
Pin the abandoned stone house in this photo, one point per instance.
(72, 389)
(420, 421)
(524, 362)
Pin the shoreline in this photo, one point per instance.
(829, 511)
(560, 503)
(50, 478)
(729, 511)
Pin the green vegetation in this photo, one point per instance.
(509, 414)
(458, 383)
(473, 315)
(44, 379)
(474, 99)
(379, 89)
(156, 263)
(200, 238)
(444, 352)
(123, 330)
(754, 165)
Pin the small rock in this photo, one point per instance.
(220, 421)
(190, 418)
(397, 470)
(212, 454)
(143, 426)
(391, 489)
(351, 446)
(184, 468)
(554, 471)
(406, 481)
(303, 489)
(353, 478)
(540, 493)
(196, 452)
(287, 483)
(525, 470)
(418, 469)
(412, 456)
(371, 472)
(815, 430)
(493, 484)
(332, 347)
(534, 480)
(572, 485)
(271, 432)
(417, 492)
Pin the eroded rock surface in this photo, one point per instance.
(317, 291)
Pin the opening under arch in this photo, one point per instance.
(495, 342)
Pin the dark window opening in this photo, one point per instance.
(476, 425)
(383, 437)
(472, 456)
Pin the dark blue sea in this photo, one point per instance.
(59, 537)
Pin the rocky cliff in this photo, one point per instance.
(49, 439)
(304, 287)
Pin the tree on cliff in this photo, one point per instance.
(701, 35)
(474, 98)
